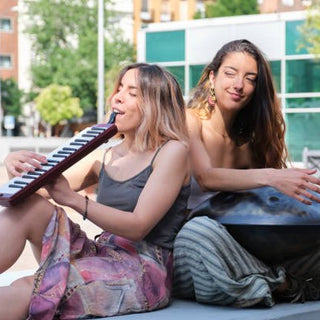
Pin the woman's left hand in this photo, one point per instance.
(296, 183)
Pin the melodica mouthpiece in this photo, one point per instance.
(112, 118)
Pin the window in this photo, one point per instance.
(302, 131)
(276, 74)
(288, 3)
(145, 5)
(165, 46)
(5, 62)
(195, 73)
(178, 73)
(302, 76)
(309, 102)
(5, 24)
(294, 38)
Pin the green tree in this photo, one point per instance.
(225, 8)
(55, 103)
(11, 97)
(65, 46)
(310, 30)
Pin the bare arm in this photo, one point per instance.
(292, 182)
(155, 200)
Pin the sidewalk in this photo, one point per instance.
(26, 264)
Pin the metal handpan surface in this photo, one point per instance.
(270, 225)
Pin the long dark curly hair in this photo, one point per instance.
(260, 122)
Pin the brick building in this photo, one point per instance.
(9, 63)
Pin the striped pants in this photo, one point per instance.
(211, 267)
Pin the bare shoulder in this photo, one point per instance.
(173, 152)
(176, 146)
(194, 123)
(192, 116)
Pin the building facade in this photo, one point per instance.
(9, 39)
(273, 6)
(185, 48)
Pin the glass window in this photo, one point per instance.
(303, 103)
(179, 73)
(145, 5)
(5, 24)
(303, 130)
(165, 46)
(5, 61)
(276, 74)
(302, 76)
(195, 73)
(294, 38)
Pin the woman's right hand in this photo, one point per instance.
(21, 161)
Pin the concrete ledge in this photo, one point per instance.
(190, 310)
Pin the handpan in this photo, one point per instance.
(270, 225)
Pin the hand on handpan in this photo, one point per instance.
(297, 183)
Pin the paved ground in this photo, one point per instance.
(27, 261)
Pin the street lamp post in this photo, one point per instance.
(1, 112)
(100, 112)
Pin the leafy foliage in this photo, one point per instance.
(65, 37)
(224, 8)
(310, 30)
(11, 97)
(55, 103)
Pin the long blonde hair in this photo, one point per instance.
(161, 104)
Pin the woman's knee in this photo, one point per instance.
(200, 236)
(21, 290)
(31, 206)
(26, 282)
(199, 228)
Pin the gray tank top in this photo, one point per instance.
(164, 233)
(198, 196)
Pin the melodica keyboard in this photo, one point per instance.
(59, 160)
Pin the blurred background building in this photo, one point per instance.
(9, 62)
(165, 32)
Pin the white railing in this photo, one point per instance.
(39, 145)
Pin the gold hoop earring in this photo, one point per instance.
(212, 99)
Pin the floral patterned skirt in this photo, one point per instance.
(79, 278)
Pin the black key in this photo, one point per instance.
(15, 186)
(41, 170)
(77, 144)
(27, 176)
(91, 132)
(89, 135)
(65, 152)
(33, 173)
(69, 149)
(21, 182)
(60, 156)
(50, 161)
(97, 129)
